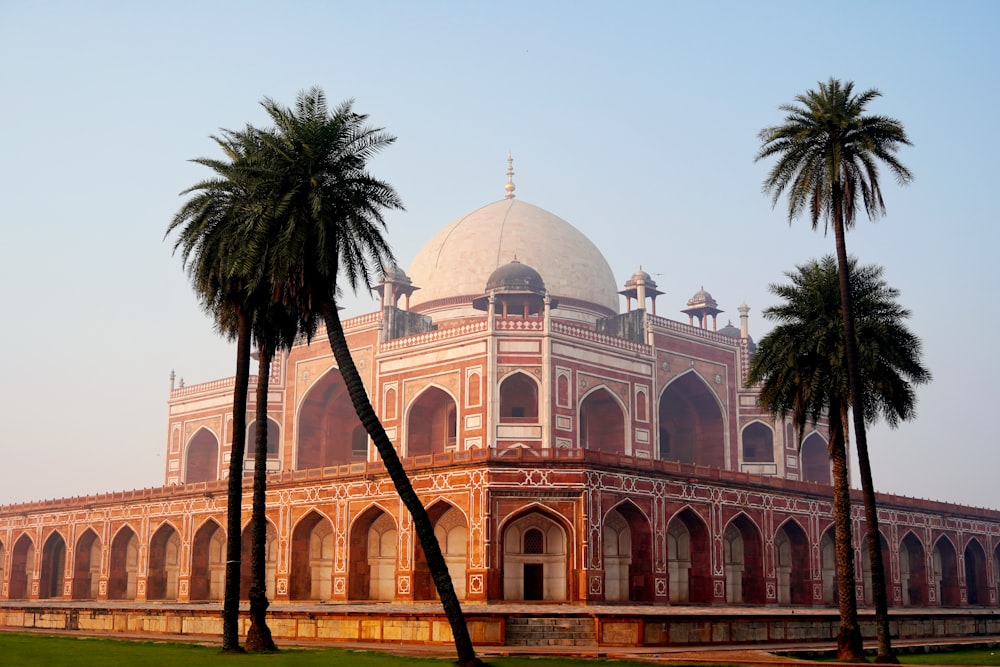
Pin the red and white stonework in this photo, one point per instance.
(565, 450)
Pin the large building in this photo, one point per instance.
(566, 451)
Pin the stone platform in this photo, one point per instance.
(554, 626)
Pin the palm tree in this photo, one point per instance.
(209, 246)
(796, 366)
(828, 152)
(330, 227)
(801, 366)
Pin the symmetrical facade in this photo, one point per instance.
(566, 451)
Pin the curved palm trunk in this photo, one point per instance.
(390, 459)
(857, 410)
(850, 647)
(259, 639)
(234, 491)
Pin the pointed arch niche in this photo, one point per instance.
(164, 564)
(628, 555)
(912, 571)
(815, 456)
(86, 566)
(602, 423)
(535, 559)
(273, 446)
(53, 567)
(124, 565)
(743, 561)
(328, 431)
(431, 423)
(270, 560)
(692, 428)
(452, 532)
(202, 460)
(312, 558)
(208, 562)
(944, 560)
(373, 549)
(22, 568)
(791, 550)
(688, 567)
(976, 587)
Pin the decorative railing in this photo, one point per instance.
(476, 326)
(687, 329)
(519, 324)
(603, 339)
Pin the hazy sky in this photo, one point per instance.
(636, 122)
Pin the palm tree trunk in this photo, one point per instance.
(390, 459)
(850, 647)
(885, 653)
(259, 639)
(234, 491)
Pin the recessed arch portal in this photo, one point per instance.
(628, 555)
(828, 567)
(692, 428)
(202, 460)
(22, 568)
(86, 566)
(53, 567)
(602, 423)
(689, 571)
(518, 399)
(744, 567)
(124, 565)
(912, 571)
(431, 423)
(535, 560)
(758, 443)
(791, 548)
(866, 568)
(815, 457)
(312, 558)
(164, 564)
(270, 560)
(945, 563)
(373, 549)
(273, 443)
(327, 425)
(452, 532)
(208, 562)
(976, 586)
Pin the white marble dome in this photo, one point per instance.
(455, 265)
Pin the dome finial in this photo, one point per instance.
(510, 177)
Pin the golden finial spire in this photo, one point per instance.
(510, 177)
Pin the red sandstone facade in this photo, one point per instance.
(565, 452)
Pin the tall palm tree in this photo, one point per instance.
(274, 330)
(801, 367)
(828, 151)
(209, 245)
(330, 228)
(795, 366)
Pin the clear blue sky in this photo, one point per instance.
(637, 122)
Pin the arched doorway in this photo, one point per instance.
(628, 555)
(208, 562)
(945, 563)
(53, 567)
(912, 571)
(602, 423)
(866, 569)
(373, 548)
(164, 564)
(688, 564)
(452, 533)
(270, 560)
(976, 586)
(518, 399)
(311, 576)
(743, 563)
(692, 428)
(535, 560)
(828, 567)
(431, 423)
(815, 457)
(329, 431)
(273, 447)
(22, 568)
(791, 550)
(758, 443)
(202, 460)
(87, 566)
(124, 566)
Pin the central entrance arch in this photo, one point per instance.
(535, 561)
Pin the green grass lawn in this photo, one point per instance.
(67, 651)
(72, 651)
